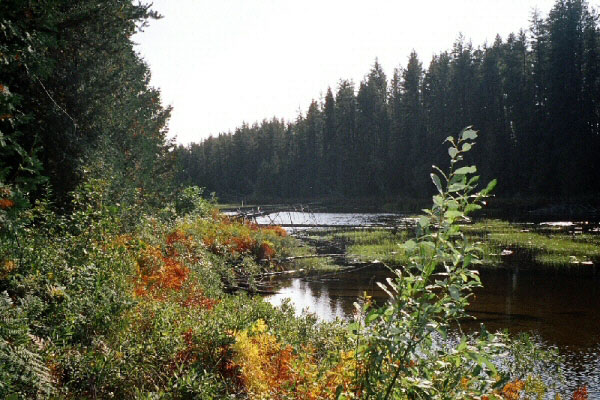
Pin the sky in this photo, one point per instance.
(220, 63)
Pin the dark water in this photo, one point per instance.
(562, 310)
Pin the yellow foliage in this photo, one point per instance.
(271, 370)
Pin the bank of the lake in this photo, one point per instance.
(540, 278)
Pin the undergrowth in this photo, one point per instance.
(93, 310)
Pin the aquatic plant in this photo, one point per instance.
(552, 249)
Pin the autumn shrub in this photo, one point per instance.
(93, 308)
(270, 369)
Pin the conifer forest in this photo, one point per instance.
(535, 94)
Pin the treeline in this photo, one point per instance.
(75, 101)
(535, 98)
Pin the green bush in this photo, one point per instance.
(405, 348)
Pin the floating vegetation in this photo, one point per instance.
(372, 245)
(554, 244)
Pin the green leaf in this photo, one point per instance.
(455, 187)
(410, 245)
(453, 214)
(371, 317)
(473, 180)
(466, 170)
(452, 205)
(466, 147)
(481, 360)
(489, 187)
(467, 260)
(469, 134)
(472, 207)
(437, 182)
(452, 151)
(424, 221)
(454, 293)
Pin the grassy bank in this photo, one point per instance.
(550, 246)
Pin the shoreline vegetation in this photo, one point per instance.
(527, 209)
(559, 246)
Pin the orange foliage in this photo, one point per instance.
(6, 203)
(580, 394)
(277, 230)
(266, 251)
(512, 390)
(241, 245)
(159, 273)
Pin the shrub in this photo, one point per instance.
(403, 348)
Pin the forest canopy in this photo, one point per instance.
(534, 95)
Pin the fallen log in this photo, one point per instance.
(308, 256)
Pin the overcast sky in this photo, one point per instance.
(222, 62)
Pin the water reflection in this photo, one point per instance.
(563, 311)
(315, 301)
(308, 219)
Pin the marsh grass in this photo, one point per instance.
(317, 264)
(552, 247)
(371, 245)
(297, 248)
(547, 246)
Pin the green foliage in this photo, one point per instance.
(404, 348)
(190, 201)
(23, 373)
(74, 93)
